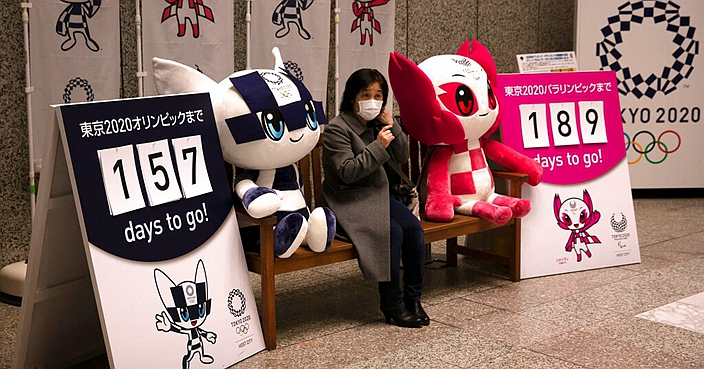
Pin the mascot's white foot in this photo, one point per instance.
(322, 225)
(289, 234)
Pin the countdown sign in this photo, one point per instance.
(582, 213)
(660, 85)
(160, 232)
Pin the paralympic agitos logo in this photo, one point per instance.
(665, 14)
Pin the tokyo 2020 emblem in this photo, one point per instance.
(665, 14)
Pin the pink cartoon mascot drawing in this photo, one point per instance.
(365, 20)
(577, 215)
(448, 102)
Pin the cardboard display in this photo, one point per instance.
(570, 124)
(139, 208)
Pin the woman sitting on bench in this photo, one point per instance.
(356, 144)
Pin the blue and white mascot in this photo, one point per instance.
(267, 121)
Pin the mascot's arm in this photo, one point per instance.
(570, 242)
(259, 201)
(440, 203)
(512, 160)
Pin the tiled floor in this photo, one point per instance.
(648, 315)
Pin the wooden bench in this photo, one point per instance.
(268, 266)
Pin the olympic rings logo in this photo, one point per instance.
(242, 329)
(650, 146)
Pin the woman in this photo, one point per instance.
(356, 145)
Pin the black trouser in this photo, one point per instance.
(407, 245)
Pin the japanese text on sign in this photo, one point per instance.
(99, 128)
(557, 89)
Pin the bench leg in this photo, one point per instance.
(451, 251)
(269, 309)
(514, 259)
(268, 289)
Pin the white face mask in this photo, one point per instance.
(369, 109)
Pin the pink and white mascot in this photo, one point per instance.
(448, 101)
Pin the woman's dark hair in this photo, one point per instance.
(358, 81)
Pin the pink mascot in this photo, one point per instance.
(448, 101)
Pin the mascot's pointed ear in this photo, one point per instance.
(175, 78)
(587, 200)
(422, 115)
(556, 204)
(200, 273)
(163, 286)
(482, 56)
(278, 61)
(464, 49)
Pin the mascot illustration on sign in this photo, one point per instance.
(187, 307)
(267, 121)
(448, 102)
(577, 215)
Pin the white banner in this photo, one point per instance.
(301, 30)
(366, 37)
(75, 57)
(197, 33)
(654, 48)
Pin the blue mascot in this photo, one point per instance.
(267, 121)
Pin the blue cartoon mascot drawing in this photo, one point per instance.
(267, 121)
(577, 216)
(287, 12)
(187, 307)
(74, 20)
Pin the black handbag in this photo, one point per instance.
(405, 192)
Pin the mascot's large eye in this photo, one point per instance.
(311, 118)
(184, 313)
(566, 219)
(583, 216)
(273, 124)
(459, 99)
(201, 310)
(492, 97)
(465, 100)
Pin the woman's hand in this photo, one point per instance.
(385, 136)
(385, 117)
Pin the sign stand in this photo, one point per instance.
(135, 246)
(58, 300)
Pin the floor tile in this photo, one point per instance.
(678, 314)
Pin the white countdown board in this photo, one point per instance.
(154, 233)
(582, 212)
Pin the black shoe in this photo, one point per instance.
(416, 309)
(402, 317)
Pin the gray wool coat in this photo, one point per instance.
(356, 188)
